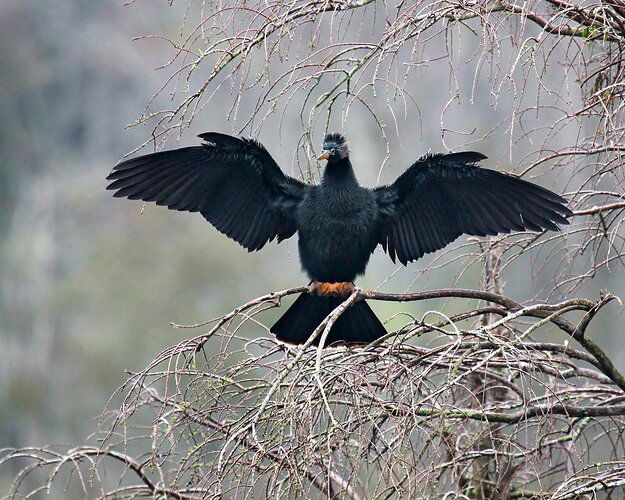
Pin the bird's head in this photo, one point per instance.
(335, 148)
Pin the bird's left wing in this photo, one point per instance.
(234, 183)
(443, 196)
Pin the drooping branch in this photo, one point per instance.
(305, 418)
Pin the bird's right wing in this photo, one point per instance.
(443, 196)
(234, 183)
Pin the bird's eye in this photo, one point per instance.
(332, 151)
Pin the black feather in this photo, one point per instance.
(229, 180)
(464, 157)
(358, 323)
(448, 195)
(337, 139)
(238, 187)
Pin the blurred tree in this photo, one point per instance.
(505, 398)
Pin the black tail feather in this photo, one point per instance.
(357, 325)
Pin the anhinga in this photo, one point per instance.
(239, 188)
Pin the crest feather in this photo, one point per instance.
(336, 138)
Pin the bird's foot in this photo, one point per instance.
(341, 288)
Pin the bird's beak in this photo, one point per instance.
(323, 156)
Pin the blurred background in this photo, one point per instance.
(89, 285)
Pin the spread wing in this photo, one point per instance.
(443, 196)
(234, 183)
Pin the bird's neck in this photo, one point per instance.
(339, 172)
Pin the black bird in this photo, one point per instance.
(239, 188)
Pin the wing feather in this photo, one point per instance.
(234, 183)
(441, 197)
(414, 238)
